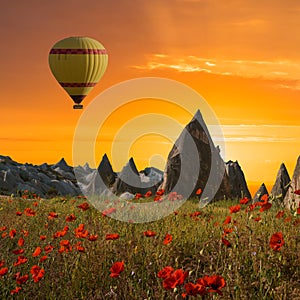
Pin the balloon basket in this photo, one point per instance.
(77, 106)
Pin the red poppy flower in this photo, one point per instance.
(226, 242)
(48, 248)
(2, 262)
(276, 241)
(3, 228)
(257, 219)
(264, 198)
(160, 192)
(214, 283)
(84, 206)
(227, 230)
(93, 237)
(42, 237)
(3, 271)
(252, 206)
(20, 242)
(174, 196)
(29, 212)
(165, 272)
(116, 269)
(18, 251)
(37, 251)
(298, 210)
(52, 215)
(4, 234)
(37, 273)
(25, 232)
(12, 233)
(235, 209)
(148, 194)
(80, 232)
(168, 239)
(195, 214)
(18, 213)
(194, 289)
(138, 196)
(22, 279)
(16, 290)
(108, 211)
(265, 206)
(158, 198)
(198, 192)
(149, 233)
(279, 214)
(21, 260)
(70, 218)
(297, 192)
(174, 279)
(227, 220)
(59, 234)
(65, 246)
(43, 258)
(112, 236)
(288, 219)
(244, 200)
(79, 247)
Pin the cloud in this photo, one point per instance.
(261, 133)
(285, 73)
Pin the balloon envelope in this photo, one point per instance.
(78, 63)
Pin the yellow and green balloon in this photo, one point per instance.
(78, 63)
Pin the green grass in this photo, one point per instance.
(251, 269)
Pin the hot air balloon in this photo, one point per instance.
(78, 63)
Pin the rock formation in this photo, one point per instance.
(281, 184)
(106, 172)
(188, 168)
(292, 200)
(238, 184)
(261, 191)
(89, 180)
(128, 180)
(44, 180)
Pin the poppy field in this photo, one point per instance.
(63, 248)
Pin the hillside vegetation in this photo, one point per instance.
(63, 248)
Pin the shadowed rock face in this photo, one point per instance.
(261, 191)
(238, 184)
(132, 181)
(292, 200)
(196, 170)
(128, 180)
(106, 172)
(282, 181)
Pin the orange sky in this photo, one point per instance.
(243, 57)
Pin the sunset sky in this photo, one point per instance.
(243, 57)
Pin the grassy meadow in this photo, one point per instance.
(63, 248)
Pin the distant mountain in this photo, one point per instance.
(44, 180)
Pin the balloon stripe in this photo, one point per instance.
(78, 84)
(78, 51)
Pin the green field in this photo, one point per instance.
(78, 266)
